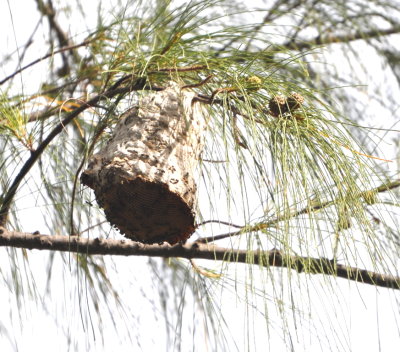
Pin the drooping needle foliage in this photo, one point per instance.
(286, 164)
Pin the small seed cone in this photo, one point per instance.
(294, 101)
(278, 105)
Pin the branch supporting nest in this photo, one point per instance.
(272, 258)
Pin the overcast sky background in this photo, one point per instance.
(368, 316)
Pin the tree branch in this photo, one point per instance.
(272, 258)
(331, 39)
(62, 37)
(48, 11)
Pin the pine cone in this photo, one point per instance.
(253, 83)
(294, 101)
(278, 105)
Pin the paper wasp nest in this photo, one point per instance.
(144, 177)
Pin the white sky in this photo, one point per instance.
(369, 316)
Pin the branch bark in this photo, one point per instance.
(272, 258)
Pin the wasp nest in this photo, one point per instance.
(144, 177)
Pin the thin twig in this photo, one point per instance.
(305, 210)
(44, 58)
(28, 44)
(218, 222)
(62, 38)
(272, 13)
(205, 99)
(196, 85)
(49, 12)
(331, 39)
